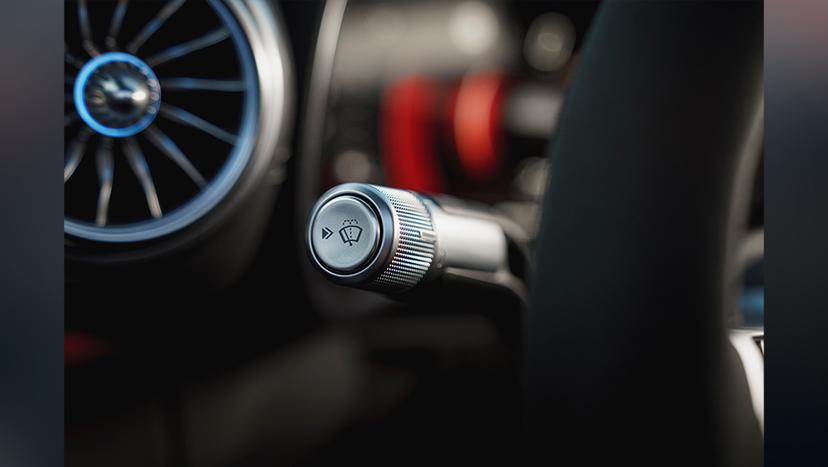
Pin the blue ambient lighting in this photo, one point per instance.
(80, 87)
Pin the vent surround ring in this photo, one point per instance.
(171, 156)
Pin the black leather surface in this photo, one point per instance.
(627, 359)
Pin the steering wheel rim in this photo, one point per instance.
(626, 355)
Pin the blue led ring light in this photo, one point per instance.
(102, 62)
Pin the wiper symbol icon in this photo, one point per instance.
(351, 232)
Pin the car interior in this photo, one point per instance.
(413, 232)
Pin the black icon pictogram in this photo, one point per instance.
(326, 233)
(350, 232)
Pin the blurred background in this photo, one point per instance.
(196, 331)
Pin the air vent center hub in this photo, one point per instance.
(117, 94)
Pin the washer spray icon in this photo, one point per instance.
(350, 232)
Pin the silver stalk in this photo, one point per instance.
(393, 240)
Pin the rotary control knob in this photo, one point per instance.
(392, 240)
(345, 234)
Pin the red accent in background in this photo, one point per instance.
(408, 146)
(81, 348)
(475, 115)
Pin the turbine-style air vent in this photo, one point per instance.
(161, 114)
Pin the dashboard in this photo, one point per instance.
(199, 135)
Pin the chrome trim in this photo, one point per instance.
(750, 346)
(270, 53)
